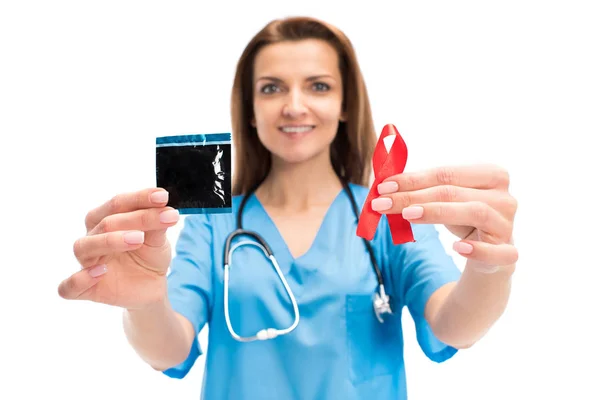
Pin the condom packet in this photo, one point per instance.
(196, 171)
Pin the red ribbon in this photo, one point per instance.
(385, 165)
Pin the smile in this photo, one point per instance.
(297, 129)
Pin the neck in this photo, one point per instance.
(299, 186)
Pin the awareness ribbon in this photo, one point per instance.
(385, 165)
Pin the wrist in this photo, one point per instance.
(489, 272)
(485, 286)
(157, 305)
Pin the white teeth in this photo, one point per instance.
(296, 129)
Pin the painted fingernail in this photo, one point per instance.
(159, 197)
(133, 237)
(97, 271)
(412, 212)
(462, 247)
(381, 204)
(387, 187)
(169, 216)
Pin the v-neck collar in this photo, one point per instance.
(281, 244)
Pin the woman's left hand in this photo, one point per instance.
(473, 202)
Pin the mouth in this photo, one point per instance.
(297, 130)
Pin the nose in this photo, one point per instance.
(294, 105)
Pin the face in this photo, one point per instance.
(297, 99)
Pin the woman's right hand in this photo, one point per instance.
(125, 254)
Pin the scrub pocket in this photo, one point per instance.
(374, 348)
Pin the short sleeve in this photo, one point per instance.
(419, 269)
(190, 283)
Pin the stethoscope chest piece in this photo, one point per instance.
(381, 304)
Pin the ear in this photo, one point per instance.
(343, 116)
(253, 122)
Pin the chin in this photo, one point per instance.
(290, 155)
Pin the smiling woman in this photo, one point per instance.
(298, 98)
(308, 293)
(296, 72)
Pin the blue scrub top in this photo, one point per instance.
(339, 350)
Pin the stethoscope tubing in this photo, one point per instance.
(381, 301)
(268, 333)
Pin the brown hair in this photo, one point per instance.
(353, 145)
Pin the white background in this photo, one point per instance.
(85, 87)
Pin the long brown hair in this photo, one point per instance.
(355, 140)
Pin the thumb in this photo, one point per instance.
(156, 238)
(75, 286)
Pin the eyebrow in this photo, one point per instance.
(310, 78)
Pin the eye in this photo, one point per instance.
(321, 87)
(269, 88)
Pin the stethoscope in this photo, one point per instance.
(381, 301)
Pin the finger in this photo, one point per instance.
(475, 214)
(156, 238)
(89, 249)
(473, 176)
(154, 222)
(501, 201)
(127, 202)
(487, 254)
(77, 284)
(142, 220)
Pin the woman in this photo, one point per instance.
(304, 135)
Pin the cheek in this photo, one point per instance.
(265, 116)
(266, 113)
(329, 110)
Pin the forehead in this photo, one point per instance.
(297, 59)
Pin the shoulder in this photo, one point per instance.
(359, 189)
(360, 193)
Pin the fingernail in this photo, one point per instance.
(462, 247)
(133, 237)
(97, 271)
(381, 204)
(412, 212)
(159, 197)
(387, 187)
(169, 216)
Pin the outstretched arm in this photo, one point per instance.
(160, 336)
(474, 204)
(461, 313)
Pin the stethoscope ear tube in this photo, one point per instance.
(367, 244)
(243, 232)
